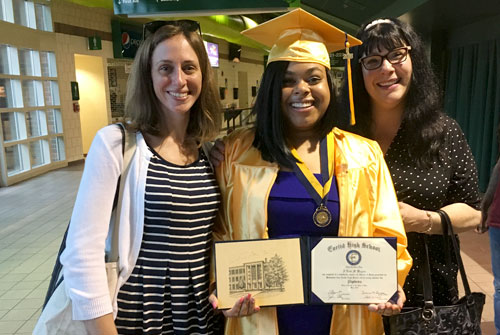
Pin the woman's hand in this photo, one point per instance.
(244, 306)
(390, 307)
(414, 219)
(217, 153)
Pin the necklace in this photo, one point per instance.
(322, 216)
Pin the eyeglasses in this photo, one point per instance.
(187, 25)
(395, 56)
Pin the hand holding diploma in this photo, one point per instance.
(244, 306)
(390, 307)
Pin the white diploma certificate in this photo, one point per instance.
(354, 270)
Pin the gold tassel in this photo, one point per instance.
(348, 56)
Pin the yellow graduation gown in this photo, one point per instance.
(368, 207)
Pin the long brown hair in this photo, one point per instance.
(142, 107)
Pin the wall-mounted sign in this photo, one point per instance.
(95, 43)
(75, 92)
(200, 8)
(126, 39)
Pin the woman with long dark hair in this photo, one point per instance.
(398, 104)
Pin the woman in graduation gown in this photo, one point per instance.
(295, 174)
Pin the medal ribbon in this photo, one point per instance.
(326, 152)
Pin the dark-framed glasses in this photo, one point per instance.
(395, 56)
(187, 25)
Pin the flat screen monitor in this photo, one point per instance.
(213, 53)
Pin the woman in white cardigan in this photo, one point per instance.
(169, 200)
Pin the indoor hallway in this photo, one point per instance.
(34, 215)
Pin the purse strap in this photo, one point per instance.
(446, 219)
(451, 281)
(128, 149)
(428, 309)
(469, 297)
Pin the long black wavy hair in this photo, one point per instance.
(422, 116)
(270, 137)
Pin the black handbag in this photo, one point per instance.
(461, 318)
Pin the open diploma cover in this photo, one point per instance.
(307, 270)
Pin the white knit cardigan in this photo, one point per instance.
(83, 258)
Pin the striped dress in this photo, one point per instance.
(167, 292)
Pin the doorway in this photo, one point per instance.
(91, 83)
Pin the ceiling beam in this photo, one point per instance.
(398, 8)
(348, 27)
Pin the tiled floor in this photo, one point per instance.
(34, 215)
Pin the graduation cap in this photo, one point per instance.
(299, 36)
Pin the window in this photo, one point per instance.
(57, 149)
(24, 13)
(27, 13)
(39, 153)
(31, 133)
(17, 159)
(6, 11)
(54, 121)
(29, 62)
(36, 124)
(10, 93)
(33, 93)
(51, 91)
(43, 17)
(12, 126)
(48, 60)
(8, 60)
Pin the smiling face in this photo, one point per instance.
(388, 84)
(176, 75)
(305, 96)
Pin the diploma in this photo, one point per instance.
(270, 270)
(353, 270)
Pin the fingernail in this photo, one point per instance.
(249, 296)
(214, 305)
(241, 300)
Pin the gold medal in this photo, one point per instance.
(322, 216)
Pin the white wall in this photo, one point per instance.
(228, 70)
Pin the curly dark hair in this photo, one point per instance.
(270, 137)
(423, 101)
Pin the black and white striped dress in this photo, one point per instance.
(167, 292)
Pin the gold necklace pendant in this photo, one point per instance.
(322, 216)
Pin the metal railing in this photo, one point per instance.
(237, 117)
